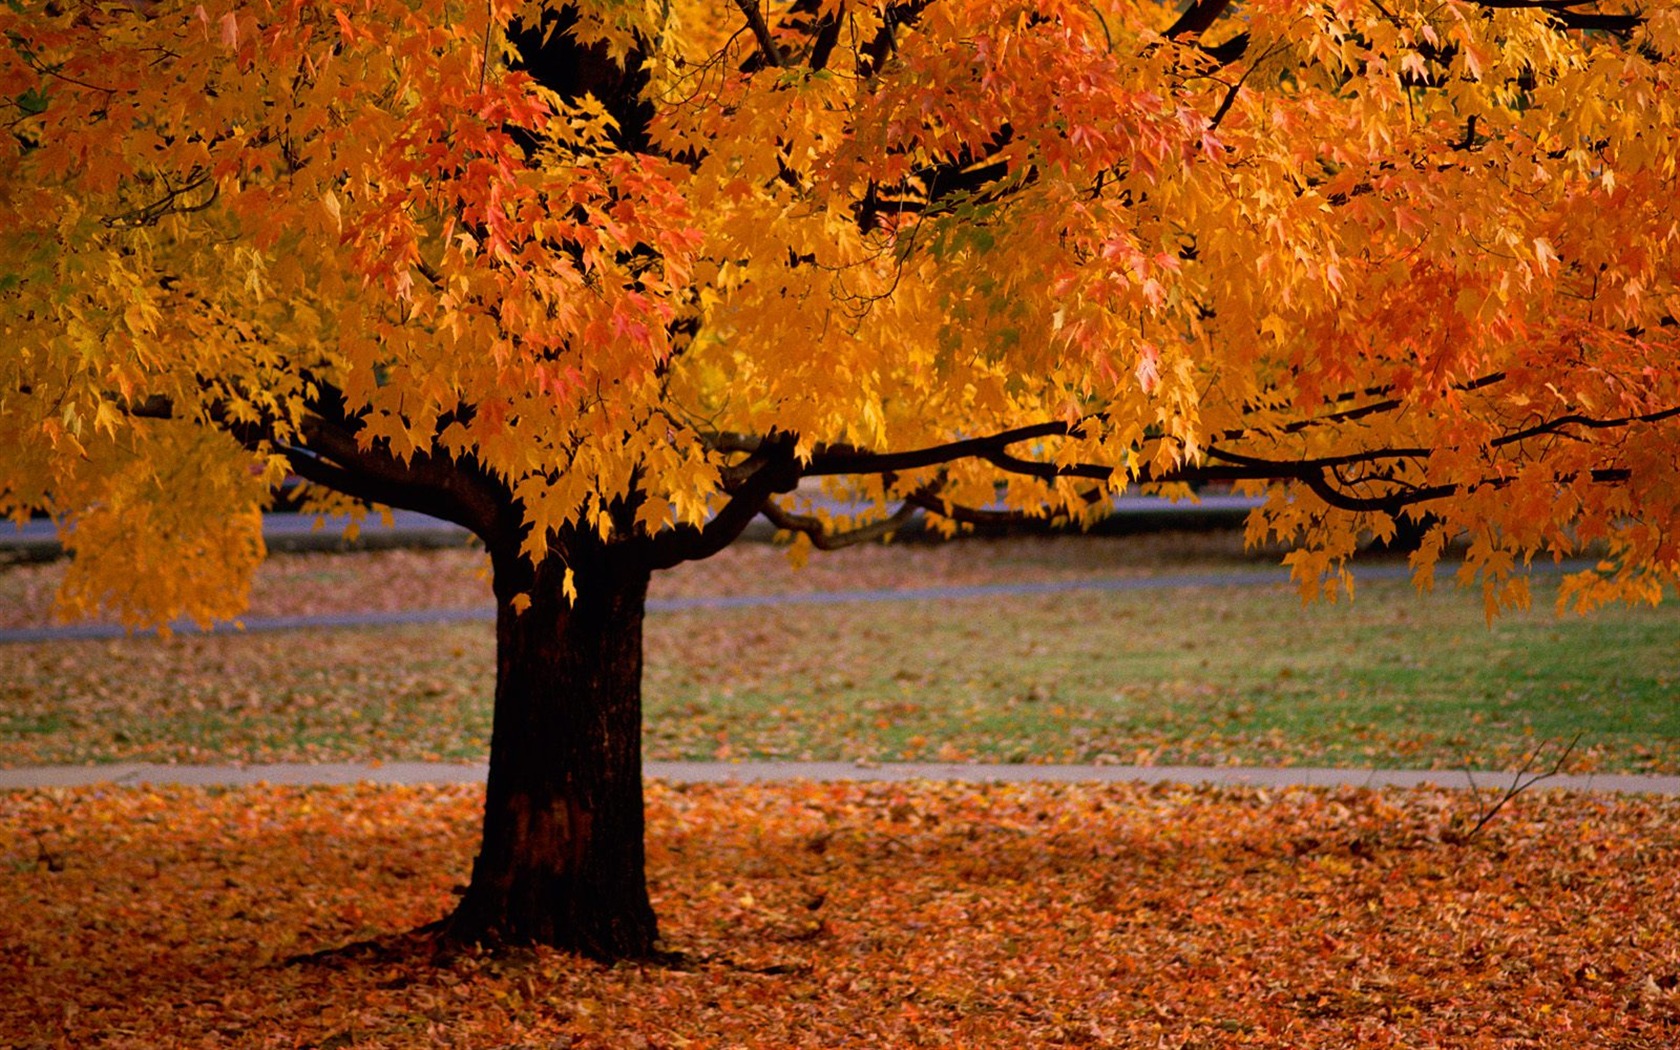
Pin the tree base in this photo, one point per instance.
(604, 934)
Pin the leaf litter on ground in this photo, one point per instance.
(891, 915)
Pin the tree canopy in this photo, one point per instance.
(604, 281)
(1373, 256)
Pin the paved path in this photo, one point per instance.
(1236, 578)
(744, 772)
(288, 531)
(281, 531)
(1227, 578)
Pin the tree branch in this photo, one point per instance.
(1348, 415)
(844, 459)
(430, 482)
(761, 30)
(977, 516)
(1197, 17)
(770, 469)
(1560, 10)
(1048, 471)
(877, 50)
(152, 406)
(1556, 426)
(1230, 466)
(824, 540)
(1313, 475)
(729, 441)
(828, 35)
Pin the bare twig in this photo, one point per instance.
(484, 61)
(1518, 785)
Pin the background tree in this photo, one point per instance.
(604, 282)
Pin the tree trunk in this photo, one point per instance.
(561, 861)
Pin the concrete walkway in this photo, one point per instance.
(486, 614)
(407, 528)
(746, 772)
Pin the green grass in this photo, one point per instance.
(1206, 675)
(304, 695)
(1239, 674)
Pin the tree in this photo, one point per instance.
(603, 282)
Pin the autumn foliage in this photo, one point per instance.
(1381, 255)
(840, 915)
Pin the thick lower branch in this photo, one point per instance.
(431, 483)
(770, 469)
(319, 471)
(825, 539)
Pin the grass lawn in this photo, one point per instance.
(1212, 674)
(1205, 675)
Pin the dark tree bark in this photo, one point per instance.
(561, 859)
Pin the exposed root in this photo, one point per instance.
(425, 942)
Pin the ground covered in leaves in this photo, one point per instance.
(861, 915)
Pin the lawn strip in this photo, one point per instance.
(1196, 676)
